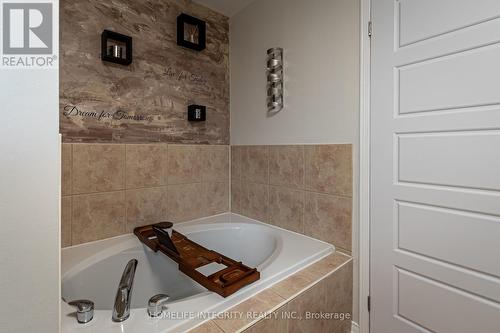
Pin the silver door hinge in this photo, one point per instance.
(370, 29)
(369, 303)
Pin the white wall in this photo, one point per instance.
(321, 53)
(29, 201)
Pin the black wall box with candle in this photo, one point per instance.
(116, 47)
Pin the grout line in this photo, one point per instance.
(303, 151)
(71, 193)
(71, 222)
(146, 188)
(125, 166)
(230, 178)
(215, 323)
(268, 153)
(343, 250)
(165, 166)
(275, 308)
(125, 194)
(302, 190)
(101, 192)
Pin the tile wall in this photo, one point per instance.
(108, 189)
(306, 189)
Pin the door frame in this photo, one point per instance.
(364, 167)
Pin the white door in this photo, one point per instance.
(435, 201)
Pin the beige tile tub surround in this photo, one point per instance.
(144, 205)
(329, 169)
(325, 286)
(144, 166)
(97, 216)
(97, 168)
(328, 217)
(275, 323)
(287, 166)
(184, 201)
(184, 164)
(306, 189)
(66, 161)
(286, 208)
(255, 164)
(263, 302)
(255, 200)
(215, 164)
(66, 221)
(109, 189)
(208, 327)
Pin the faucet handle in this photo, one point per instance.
(156, 303)
(84, 310)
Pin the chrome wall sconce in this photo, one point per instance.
(275, 79)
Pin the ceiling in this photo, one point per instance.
(226, 7)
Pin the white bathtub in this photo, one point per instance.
(92, 271)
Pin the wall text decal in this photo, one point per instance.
(73, 111)
(181, 75)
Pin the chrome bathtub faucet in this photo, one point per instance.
(123, 299)
(85, 310)
(156, 304)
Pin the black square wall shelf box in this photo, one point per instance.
(191, 32)
(116, 48)
(197, 112)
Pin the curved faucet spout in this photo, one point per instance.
(121, 310)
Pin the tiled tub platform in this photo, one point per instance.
(317, 299)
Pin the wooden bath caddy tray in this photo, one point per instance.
(191, 256)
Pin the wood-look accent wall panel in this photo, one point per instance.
(162, 80)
